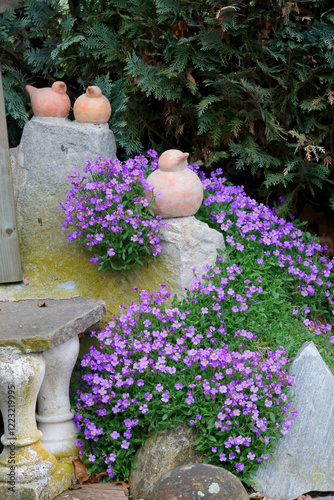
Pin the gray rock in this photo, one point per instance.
(189, 244)
(171, 448)
(304, 458)
(199, 481)
(68, 285)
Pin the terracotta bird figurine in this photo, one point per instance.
(181, 191)
(92, 107)
(50, 101)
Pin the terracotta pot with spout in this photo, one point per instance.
(50, 101)
(178, 190)
(92, 107)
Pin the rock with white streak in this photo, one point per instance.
(199, 481)
(304, 458)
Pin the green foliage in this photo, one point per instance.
(219, 81)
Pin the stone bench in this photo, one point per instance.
(39, 346)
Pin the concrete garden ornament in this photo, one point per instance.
(181, 191)
(50, 101)
(92, 107)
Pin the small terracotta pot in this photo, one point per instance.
(180, 188)
(50, 101)
(92, 107)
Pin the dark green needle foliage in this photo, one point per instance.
(247, 81)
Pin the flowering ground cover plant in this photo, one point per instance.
(155, 368)
(215, 358)
(110, 214)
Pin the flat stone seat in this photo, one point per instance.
(30, 328)
(39, 345)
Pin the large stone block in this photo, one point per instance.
(189, 244)
(304, 458)
(49, 150)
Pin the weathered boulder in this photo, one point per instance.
(199, 481)
(171, 448)
(304, 458)
(189, 244)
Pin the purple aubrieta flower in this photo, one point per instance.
(95, 209)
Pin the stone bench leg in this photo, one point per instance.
(55, 418)
(23, 459)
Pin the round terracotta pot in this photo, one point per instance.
(50, 101)
(178, 190)
(92, 107)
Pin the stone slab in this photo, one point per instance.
(30, 328)
(304, 458)
(98, 491)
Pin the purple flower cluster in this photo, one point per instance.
(275, 241)
(154, 364)
(110, 214)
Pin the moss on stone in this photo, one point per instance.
(36, 344)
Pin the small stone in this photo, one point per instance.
(68, 285)
(198, 481)
(304, 457)
(255, 496)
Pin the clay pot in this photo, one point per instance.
(181, 189)
(92, 107)
(50, 101)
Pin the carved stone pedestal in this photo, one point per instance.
(38, 350)
(55, 418)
